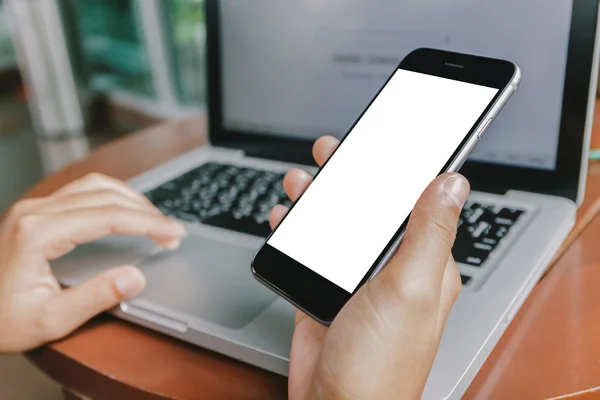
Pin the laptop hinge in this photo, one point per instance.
(294, 153)
(486, 187)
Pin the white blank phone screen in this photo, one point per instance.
(352, 210)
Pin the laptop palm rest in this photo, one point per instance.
(206, 279)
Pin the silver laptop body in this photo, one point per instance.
(282, 74)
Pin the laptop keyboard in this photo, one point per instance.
(481, 227)
(241, 198)
(225, 196)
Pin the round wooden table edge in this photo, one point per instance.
(90, 381)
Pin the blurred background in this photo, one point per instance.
(75, 74)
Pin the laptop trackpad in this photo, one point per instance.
(207, 279)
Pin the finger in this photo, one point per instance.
(418, 267)
(73, 306)
(77, 200)
(296, 182)
(299, 317)
(97, 181)
(451, 286)
(324, 148)
(306, 346)
(57, 234)
(23, 207)
(277, 214)
(90, 199)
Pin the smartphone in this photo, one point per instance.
(425, 121)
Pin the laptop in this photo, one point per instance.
(280, 75)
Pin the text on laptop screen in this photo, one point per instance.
(309, 68)
(355, 205)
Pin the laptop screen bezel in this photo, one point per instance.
(490, 177)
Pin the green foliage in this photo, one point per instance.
(186, 17)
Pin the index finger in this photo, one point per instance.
(57, 234)
(324, 148)
(97, 181)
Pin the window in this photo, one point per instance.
(186, 42)
(147, 56)
(115, 54)
(7, 55)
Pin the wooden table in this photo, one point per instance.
(551, 349)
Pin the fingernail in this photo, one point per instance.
(457, 188)
(130, 282)
(176, 228)
(173, 244)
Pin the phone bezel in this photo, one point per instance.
(309, 291)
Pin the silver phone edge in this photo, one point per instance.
(468, 148)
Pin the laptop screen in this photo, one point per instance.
(308, 68)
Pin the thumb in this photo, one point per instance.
(74, 306)
(417, 269)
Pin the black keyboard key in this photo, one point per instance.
(467, 212)
(507, 216)
(503, 221)
(490, 241)
(483, 246)
(470, 255)
(480, 229)
(244, 224)
(476, 260)
(487, 216)
(465, 279)
(499, 231)
(477, 212)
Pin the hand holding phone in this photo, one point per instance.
(425, 121)
(383, 342)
